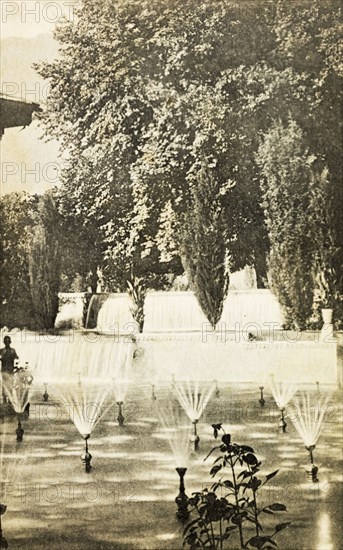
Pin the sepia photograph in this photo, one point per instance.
(171, 275)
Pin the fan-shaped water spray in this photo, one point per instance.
(178, 435)
(176, 429)
(282, 391)
(17, 388)
(122, 361)
(194, 398)
(87, 395)
(307, 414)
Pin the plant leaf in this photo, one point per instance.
(270, 476)
(277, 507)
(282, 526)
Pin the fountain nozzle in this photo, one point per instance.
(45, 394)
(195, 438)
(153, 395)
(120, 417)
(19, 431)
(312, 469)
(86, 457)
(262, 399)
(3, 541)
(182, 499)
(282, 422)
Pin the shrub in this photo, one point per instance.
(237, 513)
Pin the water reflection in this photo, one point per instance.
(324, 533)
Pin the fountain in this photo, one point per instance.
(45, 394)
(122, 367)
(308, 418)
(86, 396)
(282, 392)
(120, 416)
(182, 499)
(261, 401)
(179, 439)
(17, 389)
(86, 401)
(194, 400)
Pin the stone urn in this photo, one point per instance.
(326, 334)
(327, 315)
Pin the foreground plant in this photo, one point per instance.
(236, 514)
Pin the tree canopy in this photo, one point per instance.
(145, 93)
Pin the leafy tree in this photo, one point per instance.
(198, 113)
(143, 91)
(288, 170)
(97, 109)
(137, 97)
(16, 220)
(310, 41)
(45, 262)
(83, 246)
(203, 246)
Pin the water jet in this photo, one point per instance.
(282, 392)
(308, 419)
(17, 387)
(194, 401)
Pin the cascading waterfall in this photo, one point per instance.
(180, 311)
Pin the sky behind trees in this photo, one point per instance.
(27, 162)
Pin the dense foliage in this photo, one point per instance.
(33, 235)
(16, 220)
(45, 262)
(203, 244)
(191, 131)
